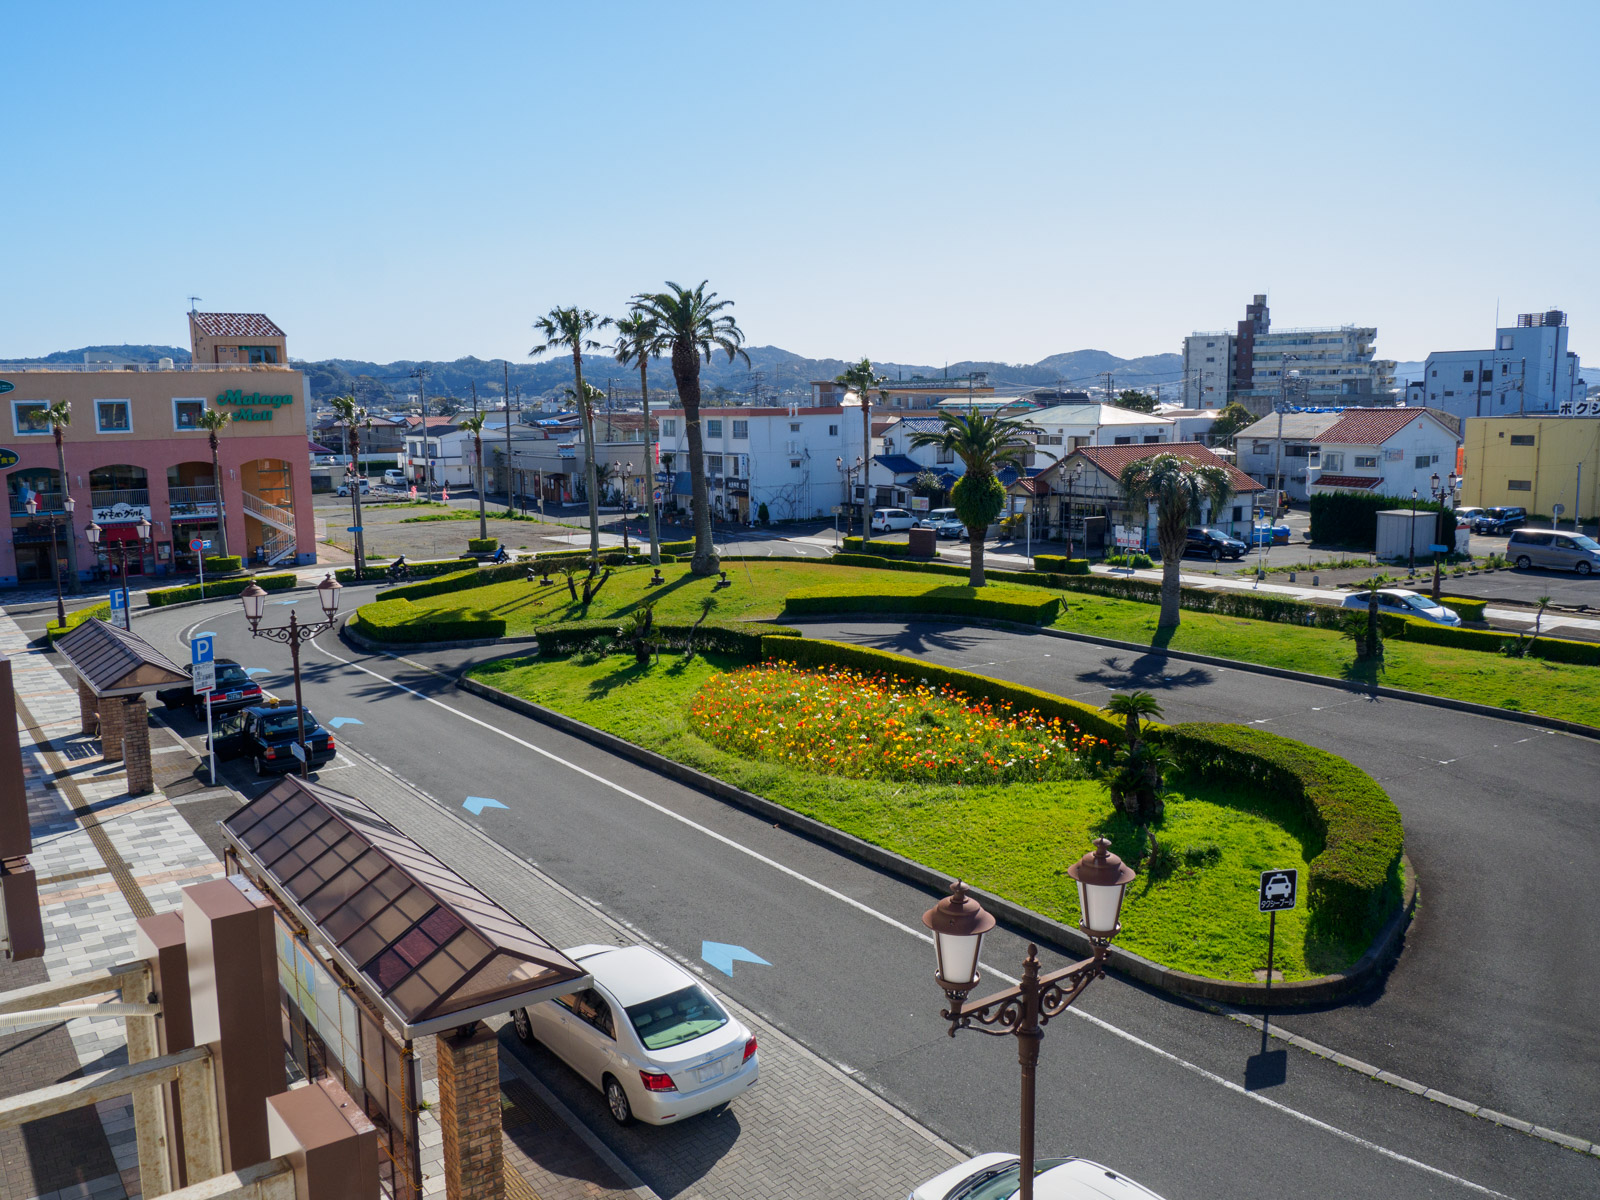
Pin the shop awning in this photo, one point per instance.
(120, 533)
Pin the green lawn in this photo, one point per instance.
(1015, 840)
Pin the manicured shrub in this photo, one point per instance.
(743, 638)
(419, 570)
(222, 564)
(1138, 561)
(1465, 608)
(482, 545)
(875, 548)
(399, 621)
(220, 587)
(816, 652)
(77, 617)
(862, 597)
(682, 549)
(1493, 641)
(1351, 518)
(847, 559)
(1355, 871)
(1060, 564)
(460, 580)
(612, 558)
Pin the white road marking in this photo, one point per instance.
(1238, 1089)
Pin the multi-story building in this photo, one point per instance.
(1065, 427)
(135, 452)
(906, 395)
(1385, 451)
(1535, 463)
(1207, 369)
(1260, 455)
(1528, 370)
(444, 448)
(791, 459)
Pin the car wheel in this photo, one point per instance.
(261, 766)
(617, 1102)
(1523, 562)
(523, 1026)
(1216, 556)
(1583, 568)
(198, 713)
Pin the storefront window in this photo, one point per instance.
(113, 416)
(30, 416)
(260, 354)
(186, 413)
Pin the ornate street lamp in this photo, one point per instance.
(849, 473)
(55, 524)
(959, 922)
(1447, 496)
(95, 533)
(1072, 482)
(254, 599)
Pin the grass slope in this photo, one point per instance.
(1015, 840)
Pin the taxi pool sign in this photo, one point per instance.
(1279, 888)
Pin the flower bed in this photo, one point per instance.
(843, 722)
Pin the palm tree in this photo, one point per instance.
(213, 421)
(861, 379)
(59, 415)
(569, 329)
(1177, 487)
(353, 416)
(986, 444)
(1134, 775)
(691, 324)
(474, 426)
(636, 337)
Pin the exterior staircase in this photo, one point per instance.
(277, 525)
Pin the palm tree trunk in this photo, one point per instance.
(483, 519)
(591, 482)
(355, 491)
(649, 464)
(866, 486)
(975, 544)
(686, 371)
(216, 479)
(1171, 564)
(72, 534)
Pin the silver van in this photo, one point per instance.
(1553, 550)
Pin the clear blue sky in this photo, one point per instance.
(915, 182)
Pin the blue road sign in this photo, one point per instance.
(119, 599)
(352, 528)
(202, 650)
(722, 956)
(1439, 548)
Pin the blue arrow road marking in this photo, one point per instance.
(341, 722)
(722, 956)
(283, 602)
(207, 633)
(476, 804)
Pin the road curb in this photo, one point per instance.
(1321, 990)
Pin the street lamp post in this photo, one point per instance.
(56, 523)
(254, 599)
(1446, 495)
(1072, 481)
(95, 532)
(1412, 567)
(850, 473)
(958, 923)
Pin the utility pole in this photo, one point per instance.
(421, 376)
(511, 503)
(1109, 392)
(1522, 389)
(1277, 467)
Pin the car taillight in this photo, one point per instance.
(749, 1049)
(657, 1083)
(330, 741)
(269, 752)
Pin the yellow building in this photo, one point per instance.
(1535, 463)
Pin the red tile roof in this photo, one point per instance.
(235, 325)
(1350, 483)
(1369, 426)
(1112, 459)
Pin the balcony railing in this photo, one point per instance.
(20, 368)
(191, 495)
(49, 502)
(112, 497)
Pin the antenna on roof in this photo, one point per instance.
(194, 300)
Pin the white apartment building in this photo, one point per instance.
(1067, 426)
(1528, 370)
(896, 462)
(1261, 457)
(905, 395)
(785, 458)
(1207, 362)
(1384, 451)
(447, 451)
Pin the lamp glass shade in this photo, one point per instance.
(72, 505)
(1433, 481)
(32, 506)
(144, 530)
(958, 923)
(1102, 878)
(958, 957)
(93, 533)
(254, 599)
(328, 593)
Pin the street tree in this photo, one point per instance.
(690, 325)
(474, 425)
(635, 346)
(572, 330)
(861, 378)
(987, 445)
(1137, 401)
(1229, 422)
(59, 415)
(352, 416)
(213, 421)
(1179, 489)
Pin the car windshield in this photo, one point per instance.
(285, 721)
(1001, 1183)
(231, 675)
(1583, 542)
(1217, 533)
(1425, 602)
(676, 1017)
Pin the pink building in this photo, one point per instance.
(134, 450)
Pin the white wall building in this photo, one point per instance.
(1384, 451)
(448, 450)
(1528, 370)
(1259, 456)
(1068, 426)
(1207, 358)
(896, 463)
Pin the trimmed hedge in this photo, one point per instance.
(846, 559)
(1467, 609)
(1351, 518)
(398, 620)
(421, 570)
(1493, 641)
(680, 549)
(862, 598)
(482, 545)
(460, 580)
(215, 589)
(813, 652)
(77, 617)
(1355, 873)
(610, 558)
(223, 564)
(744, 638)
(1060, 564)
(875, 549)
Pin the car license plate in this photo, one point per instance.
(710, 1071)
(233, 695)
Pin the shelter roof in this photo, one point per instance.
(117, 662)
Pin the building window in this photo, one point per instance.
(1433, 374)
(1466, 377)
(1505, 341)
(1519, 485)
(1485, 376)
(944, 455)
(1151, 437)
(741, 431)
(112, 416)
(1123, 441)
(833, 431)
(713, 464)
(714, 429)
(1211, 360)
(260, 354)
(1522, 439)
(794, 426)
(1425, 460)
(1260, 447)
(186, 413)
(669, 428)
(795, 463)
(30, 416)
(1333, 460)
(1369, 461)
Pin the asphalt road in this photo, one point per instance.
(1150, 1085)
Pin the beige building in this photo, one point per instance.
(1534, 463)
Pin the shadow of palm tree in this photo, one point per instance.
(1148, 671)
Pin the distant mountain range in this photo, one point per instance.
(772, 372)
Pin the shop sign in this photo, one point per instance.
(8, 458)
(738, 487)
(1569, 408)
(252, 406)
(6, 387)
(121, 514)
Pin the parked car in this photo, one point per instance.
(1213, 544)
(1468, 516)
(1401, 603)
(394, 477)
(935, 518)
(1551, 548)
(266, 733)
(648, 1034)
(951, 528)
(1267, 534)
(366, 486)
(995, 1177)
(887, 520)
(1500, 519)
(233, 692)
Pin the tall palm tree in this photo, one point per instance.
(861, 379)
(213, 421)
(570, 329)
(1178, 488)
(474, 425)
(986, 444)
(59, 415)
(692, 324)
(635, 344)
(353, 416)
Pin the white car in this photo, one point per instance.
(1401, 603)
(887, 520)
(647, 1034)
(994, 1177)
(365, 484)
